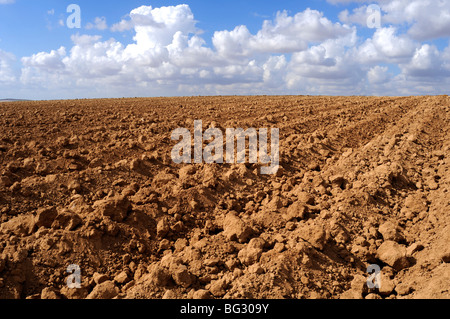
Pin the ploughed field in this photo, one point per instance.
(90, 186)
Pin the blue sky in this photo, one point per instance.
(167, 48)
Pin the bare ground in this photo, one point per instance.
(363, 181)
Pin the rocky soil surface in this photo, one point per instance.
(363, 181)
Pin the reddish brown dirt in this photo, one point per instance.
(91, 182)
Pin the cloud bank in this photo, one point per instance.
(302, 53)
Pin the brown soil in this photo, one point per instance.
(91, 182)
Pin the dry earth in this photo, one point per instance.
(91, 182)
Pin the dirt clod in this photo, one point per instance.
(393, 254)
(236, 229)
(116, 208)
(105, 290)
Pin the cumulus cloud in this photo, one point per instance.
(167, 47)
(6, 70)
(275, 71)
(146, 19)
(46, 61)
(300, 53)
(123, 25)
(285, 34)
(99, 24)
(386, 45)
(378, 74)
(425, 19)
(147, 16)
(428, 62)
(430, 20)
(326, 68)
(358, 16)
(92, 57)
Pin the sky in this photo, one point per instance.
(55, 49)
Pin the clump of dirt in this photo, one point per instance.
(362, 181)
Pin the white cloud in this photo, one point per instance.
(284, 35)
(7, 1)
(147, 16)
(432, 20)
(46, 61)
(123, 25)
(327, 68)
(358, 16)
(428, 62)
(155, 25)
(425, 19)
(378, 74)
(6, 70)
(191, 52)
(90, 58)
(99, 24)
(392, 46)
(386, 46)
(316, 56)
(291, 54)
(85, 40)
(275, 71)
